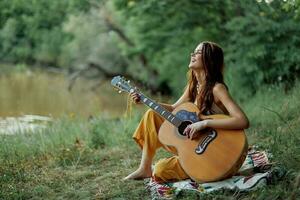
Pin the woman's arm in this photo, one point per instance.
(168, 107)
(238, 118)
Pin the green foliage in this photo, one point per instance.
(141, 38)
(99, 132)
(276, 123)
(260, 39)
(262, 47)
(167, 31)
(30, 31)
(91, 43)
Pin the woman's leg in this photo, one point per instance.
(169, 170)
(146, 135)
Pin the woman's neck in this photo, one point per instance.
(200, 77)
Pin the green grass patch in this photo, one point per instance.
(86, 159)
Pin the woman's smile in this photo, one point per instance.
(196, 57)
(195, 61)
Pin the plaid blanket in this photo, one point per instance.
(256, 171)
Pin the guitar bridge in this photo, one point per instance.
(205, 142)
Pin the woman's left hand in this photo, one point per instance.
(192, 130)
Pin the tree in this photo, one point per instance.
(31, 30)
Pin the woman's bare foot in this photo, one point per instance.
(139, 174)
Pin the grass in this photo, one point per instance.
(86, 159)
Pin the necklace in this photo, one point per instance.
(198, 88)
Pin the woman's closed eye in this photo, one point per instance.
(196, 52)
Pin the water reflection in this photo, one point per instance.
(46, 94)
(23, 124)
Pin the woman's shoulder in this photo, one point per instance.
(220, 88)
(220, 91)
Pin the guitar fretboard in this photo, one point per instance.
(160, 110)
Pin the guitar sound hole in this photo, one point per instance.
(182, 126)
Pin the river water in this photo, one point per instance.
(28, 97)
(47, 94)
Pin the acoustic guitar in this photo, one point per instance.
(215, 155)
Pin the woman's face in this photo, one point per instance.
(196, 58)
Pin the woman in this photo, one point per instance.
(207, 90)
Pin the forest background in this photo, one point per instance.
(151, 41)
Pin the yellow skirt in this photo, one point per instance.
(146, 135)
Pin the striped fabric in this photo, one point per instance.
(256, 171)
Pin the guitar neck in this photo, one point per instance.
(160, 110)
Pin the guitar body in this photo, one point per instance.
(215, 155)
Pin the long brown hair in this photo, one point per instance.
(213, 64)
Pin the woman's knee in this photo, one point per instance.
(153, 116)
(160, 169)
(150, 113)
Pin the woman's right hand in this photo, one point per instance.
(135, 97)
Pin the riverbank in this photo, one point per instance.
(75, 158)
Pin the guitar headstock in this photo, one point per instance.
(122, 84)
